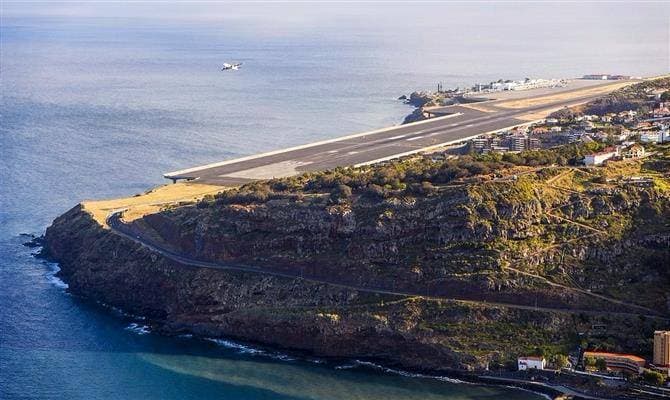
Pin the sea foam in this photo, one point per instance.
(138, 328)
(51, 277)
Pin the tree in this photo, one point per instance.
(374, 192)
(341, 192)
(589, 362)
(601, 364)
(653, 377)
(427, 188)
(561, 361)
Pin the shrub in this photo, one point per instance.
(374, 192)
(340, 193)
(653, 377)
(560, 361)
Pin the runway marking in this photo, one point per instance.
(397, 137)
(469, 125)
(454, 124)
(331, 151)
(414, 138)
(352, 152)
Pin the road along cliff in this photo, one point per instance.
(400, 263)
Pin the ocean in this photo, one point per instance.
(98, 100)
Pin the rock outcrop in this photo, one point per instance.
(345, 258)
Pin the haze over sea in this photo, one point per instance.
(99, 99)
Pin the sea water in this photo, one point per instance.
(98, 100)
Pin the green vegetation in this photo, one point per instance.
(653, 377)
(560, 361)
(589, 361)
(415, 176)
(601, 364)
(494, 227)
(634, 97)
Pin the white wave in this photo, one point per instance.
(282, 357)
(243, 349)
(52, 278)
(237, 346)
(404, 373)
(119, 312)
(137, 328)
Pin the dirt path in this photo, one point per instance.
(118, 227)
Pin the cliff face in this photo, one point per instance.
(321, 319)
(456, 244)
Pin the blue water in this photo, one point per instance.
(99, 100)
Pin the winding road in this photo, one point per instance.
(117, 226)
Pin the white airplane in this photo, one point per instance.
(234, 66)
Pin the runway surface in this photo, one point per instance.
(457, 124)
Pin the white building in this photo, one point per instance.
(655, 137)
(530, 362)
(596, 77)
(625, 134)
(600, 157)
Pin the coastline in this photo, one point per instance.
(215, 304)
(143, 324)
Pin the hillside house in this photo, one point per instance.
(634, 151)
(530, 362)
(601, 156)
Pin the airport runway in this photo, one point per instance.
(461, 123)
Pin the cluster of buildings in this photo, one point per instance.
(655, 136)
(621, 129)
(517, 140)
(607, 77)
(615, 362)
(528, 83)
(615, 153)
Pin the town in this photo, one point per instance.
(621, 131)
(593, 368)
(618, 134)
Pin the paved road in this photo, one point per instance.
(461, 124)
(126, 231)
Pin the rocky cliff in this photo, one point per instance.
(481, 272)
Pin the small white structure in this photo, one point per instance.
(600, 157)
(530, 362)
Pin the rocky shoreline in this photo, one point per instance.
(399, 264)
(179, 299)
(155, 323)
(423, 100)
